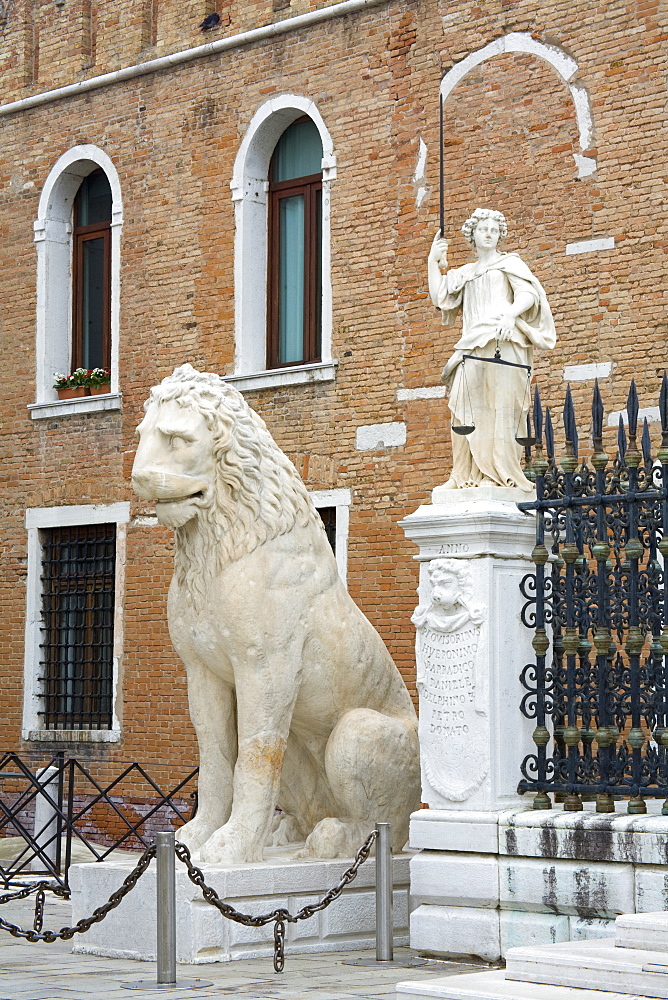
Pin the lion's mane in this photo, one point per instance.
(258, 493)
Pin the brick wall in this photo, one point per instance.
(511, 134)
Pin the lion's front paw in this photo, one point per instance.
(227, 848)
(195, 833)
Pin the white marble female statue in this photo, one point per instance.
(503, 306)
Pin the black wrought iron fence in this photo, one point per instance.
(49, 805)
(598, 602)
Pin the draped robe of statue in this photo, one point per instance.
(493, 397)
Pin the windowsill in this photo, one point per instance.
(319, 371)
(65, 407)
(74, 735)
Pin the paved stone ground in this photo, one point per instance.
(51, 972)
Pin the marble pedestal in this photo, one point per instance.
(471, 646)
(203, 935)
(490, 873)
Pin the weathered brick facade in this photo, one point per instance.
(512, 130)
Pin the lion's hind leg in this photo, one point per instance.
(373, 770)
(303, 797)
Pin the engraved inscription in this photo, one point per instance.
(452, 691)
(453, 548)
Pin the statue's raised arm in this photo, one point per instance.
(505, 310)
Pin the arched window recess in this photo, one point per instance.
(283, 301)
(77, 238)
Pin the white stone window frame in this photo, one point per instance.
(341, 499)
(37, 519)
(54, 246)
(250, 186)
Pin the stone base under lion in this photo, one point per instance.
(203, 935)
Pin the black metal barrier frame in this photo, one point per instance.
(70, 792)
(598, 603)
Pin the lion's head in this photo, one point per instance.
(215, 473)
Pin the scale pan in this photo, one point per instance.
(526, 442)
(463, 428)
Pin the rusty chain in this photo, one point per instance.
(279, 916)
(65, 933)
(27, 890)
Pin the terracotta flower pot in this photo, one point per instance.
(72, 393)
(100, 390)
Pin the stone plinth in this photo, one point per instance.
(203, 935)
(483, 883)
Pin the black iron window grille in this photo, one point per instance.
(598, 602)
(76, 667)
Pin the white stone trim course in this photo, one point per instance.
(652, 413)
(422, 392)
(591, 246)
(347, 7)
(588, 372)
(375, 437)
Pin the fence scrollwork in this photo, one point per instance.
(597, 601)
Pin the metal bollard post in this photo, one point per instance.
(384, 887)
(165, 856)
(166, 908)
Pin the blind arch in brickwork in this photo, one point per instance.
(565, 66)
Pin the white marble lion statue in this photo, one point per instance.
(306, 730)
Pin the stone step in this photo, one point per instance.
(588, 963)
(647, 931)
(494, 986)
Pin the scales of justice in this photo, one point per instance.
(505, 318)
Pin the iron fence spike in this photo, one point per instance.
(621, 440)
(537, 415)
(632, 409)
(549, 434)
(646, 444)
(597, 417)
(663, 409)
(569, 415)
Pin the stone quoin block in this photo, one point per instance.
(450, 879)
(566, 887)
(532, 928)
(456, 930)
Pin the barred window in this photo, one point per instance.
(78, 583)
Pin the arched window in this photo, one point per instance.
(78, 242)
(91, 274)
(294, 321)
(281, 187)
